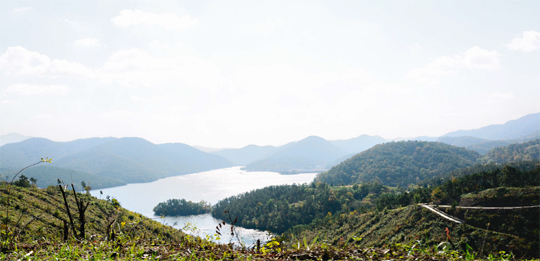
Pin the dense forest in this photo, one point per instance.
(293, 209)
(478, 168)
(450, 192)
(400, 163)
(278, 208)
(525, 151)
(181, 207)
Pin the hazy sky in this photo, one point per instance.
(233, 73)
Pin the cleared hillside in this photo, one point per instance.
(410, 225)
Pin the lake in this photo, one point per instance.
(210, 186)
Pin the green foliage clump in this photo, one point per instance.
(400, 163)
(23, 182)
(181, 207)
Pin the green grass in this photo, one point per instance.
(34, 231)
(412, 225)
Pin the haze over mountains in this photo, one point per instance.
(110, 161)
(12, 138)
(116, 161)
(316, 154)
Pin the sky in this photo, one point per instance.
(233, 73)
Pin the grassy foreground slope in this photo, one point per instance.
(33, 231)
(410, 225)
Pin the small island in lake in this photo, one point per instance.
(182, 207)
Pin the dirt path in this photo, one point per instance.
(442, 214)
(517, 207)
(459, 221)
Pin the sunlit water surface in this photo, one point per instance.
(210, 186)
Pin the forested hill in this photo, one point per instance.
(120, 160)
(514, 152)
(138, 160)
(400, 163)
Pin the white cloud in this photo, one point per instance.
(20, 61)
(167, 21)
(31, 89)
(479, 58)
(136, 67)
(21, 9)
(263, 29)
(118, 116)
(499, 98)
(473, 58)
(430, 74)
(88, 43)
(530, 41)
(76, 26)
(158, 98)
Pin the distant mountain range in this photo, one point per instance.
(247, 154)
(120, 160)
(513, 129)
(12, 138)
(486, 138)
(127, 160)
(308, 155)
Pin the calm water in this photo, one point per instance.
(210, 186)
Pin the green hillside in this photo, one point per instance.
(522, 166)
(34, 230)
(34, 219)
(388, 216)
(514, 152)
(412, 226)
(400, 163)
(278, 208)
